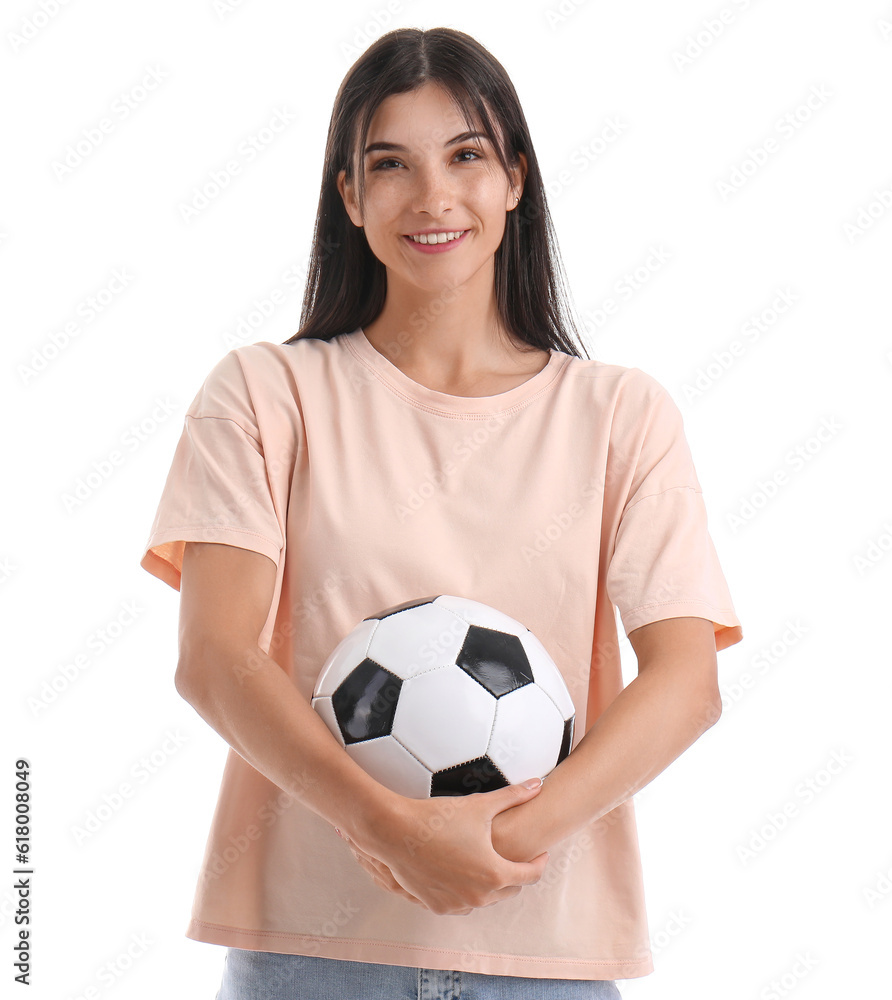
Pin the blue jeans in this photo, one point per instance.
(266, 975)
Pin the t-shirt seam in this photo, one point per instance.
(422, 948)
(663, 604)
(466, 415)
(619, 371)
(213, 416)
(212, 527)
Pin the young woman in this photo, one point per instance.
(432, 429)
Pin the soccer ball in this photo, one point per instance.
(446, 696)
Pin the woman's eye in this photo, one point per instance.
(382, 164)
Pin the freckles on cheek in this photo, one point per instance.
(383, 209)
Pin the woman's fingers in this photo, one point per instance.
(380, 873)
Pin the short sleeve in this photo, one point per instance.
(664, 563)
(219, 487)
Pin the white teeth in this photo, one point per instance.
(438, 237)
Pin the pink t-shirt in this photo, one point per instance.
(552, 502)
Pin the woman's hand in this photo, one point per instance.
(439, 851)
(507, 838)
(507, 831)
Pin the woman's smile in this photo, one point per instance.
(446, 240)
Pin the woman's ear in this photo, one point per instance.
(518, 176)
(345, 188)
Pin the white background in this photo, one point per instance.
(768, 867)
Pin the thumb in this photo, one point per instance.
(512, 795)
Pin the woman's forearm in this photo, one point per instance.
(653, 720)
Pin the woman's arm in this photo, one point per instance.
(652, 721)
(243, 694)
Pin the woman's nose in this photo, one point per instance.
(432, 193)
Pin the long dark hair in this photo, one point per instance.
(346, 283)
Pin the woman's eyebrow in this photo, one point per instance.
(396, 147)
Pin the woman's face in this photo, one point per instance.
(435, 180)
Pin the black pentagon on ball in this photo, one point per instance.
(495, 659)
(365, 702)
(480, 775)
